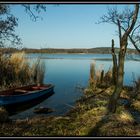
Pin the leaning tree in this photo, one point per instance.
(128, 29)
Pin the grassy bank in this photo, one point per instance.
(88, 118)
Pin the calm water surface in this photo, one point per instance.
(68, 71)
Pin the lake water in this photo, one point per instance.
(68, 71)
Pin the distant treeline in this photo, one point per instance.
(99, 50)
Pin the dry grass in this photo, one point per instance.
(88, 116)
(92, 79)
(95, 76)
(38, 70)
(125, 117)
(108, 78)
(115, 128)
(21, 68)
(136, 105)
(137, 84)
(89, 113)
(98, 78)
(16, 70)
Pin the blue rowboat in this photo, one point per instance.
(22, 95)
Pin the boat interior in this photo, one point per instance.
(23, 90)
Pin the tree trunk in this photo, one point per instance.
(116, 94)
(123, 46)
(114, 71)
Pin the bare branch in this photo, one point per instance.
(31, 10)
(134, 43)
(8, 22)
(119, 28)
(128, 31)
(126, 21)
(135, 30)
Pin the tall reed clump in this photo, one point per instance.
(94, 76)
(99, 77)
(15, 70)
(21, 68)
(108, 79)
(38, 71)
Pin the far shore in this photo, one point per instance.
(99, 50)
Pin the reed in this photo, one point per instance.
(21, 68)
(98, 77)
(92, 80)
(16, 70)
(137, 84)
(38, 71)
(125, 117)
(108, 77)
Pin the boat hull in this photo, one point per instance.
(17, 103)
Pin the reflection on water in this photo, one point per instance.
(17, 108)
(69, 72)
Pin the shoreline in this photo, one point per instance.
(87, 118)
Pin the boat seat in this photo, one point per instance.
(21, 90)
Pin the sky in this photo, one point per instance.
(66, 26)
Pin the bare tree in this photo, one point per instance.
(128, 26)
(114, 72)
